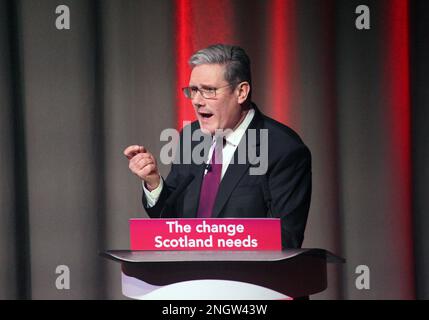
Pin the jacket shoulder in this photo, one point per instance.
(281, 135)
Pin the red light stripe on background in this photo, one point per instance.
(398, 79)
(400, 82)
(184, 49)
(281, 52)
(198, 25)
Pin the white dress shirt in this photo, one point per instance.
(232, 141)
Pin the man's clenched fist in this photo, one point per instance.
(143, 164)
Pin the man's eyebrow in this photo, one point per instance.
(203, 86)
(207, 86)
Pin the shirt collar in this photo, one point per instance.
(235, 136)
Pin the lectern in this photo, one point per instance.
(225, 275)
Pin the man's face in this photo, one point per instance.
(221, 112)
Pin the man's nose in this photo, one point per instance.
(198, 99)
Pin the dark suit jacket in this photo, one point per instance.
(283, 192)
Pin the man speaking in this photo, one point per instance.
(254, 167)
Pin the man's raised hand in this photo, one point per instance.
(143, 164)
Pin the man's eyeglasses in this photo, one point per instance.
(208, 93)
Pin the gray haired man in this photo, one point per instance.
(224, 187)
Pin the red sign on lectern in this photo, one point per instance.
(205, 234)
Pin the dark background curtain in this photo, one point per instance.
(72, 100)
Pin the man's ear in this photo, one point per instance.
(243, 90)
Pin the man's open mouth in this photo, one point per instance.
(206, 115)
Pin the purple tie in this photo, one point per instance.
(211, 183)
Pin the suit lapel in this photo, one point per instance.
(235, 170)
(227, 185)
(191, 200)
(190, 204)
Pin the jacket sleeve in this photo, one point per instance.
(170, 184)
(289, 183)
